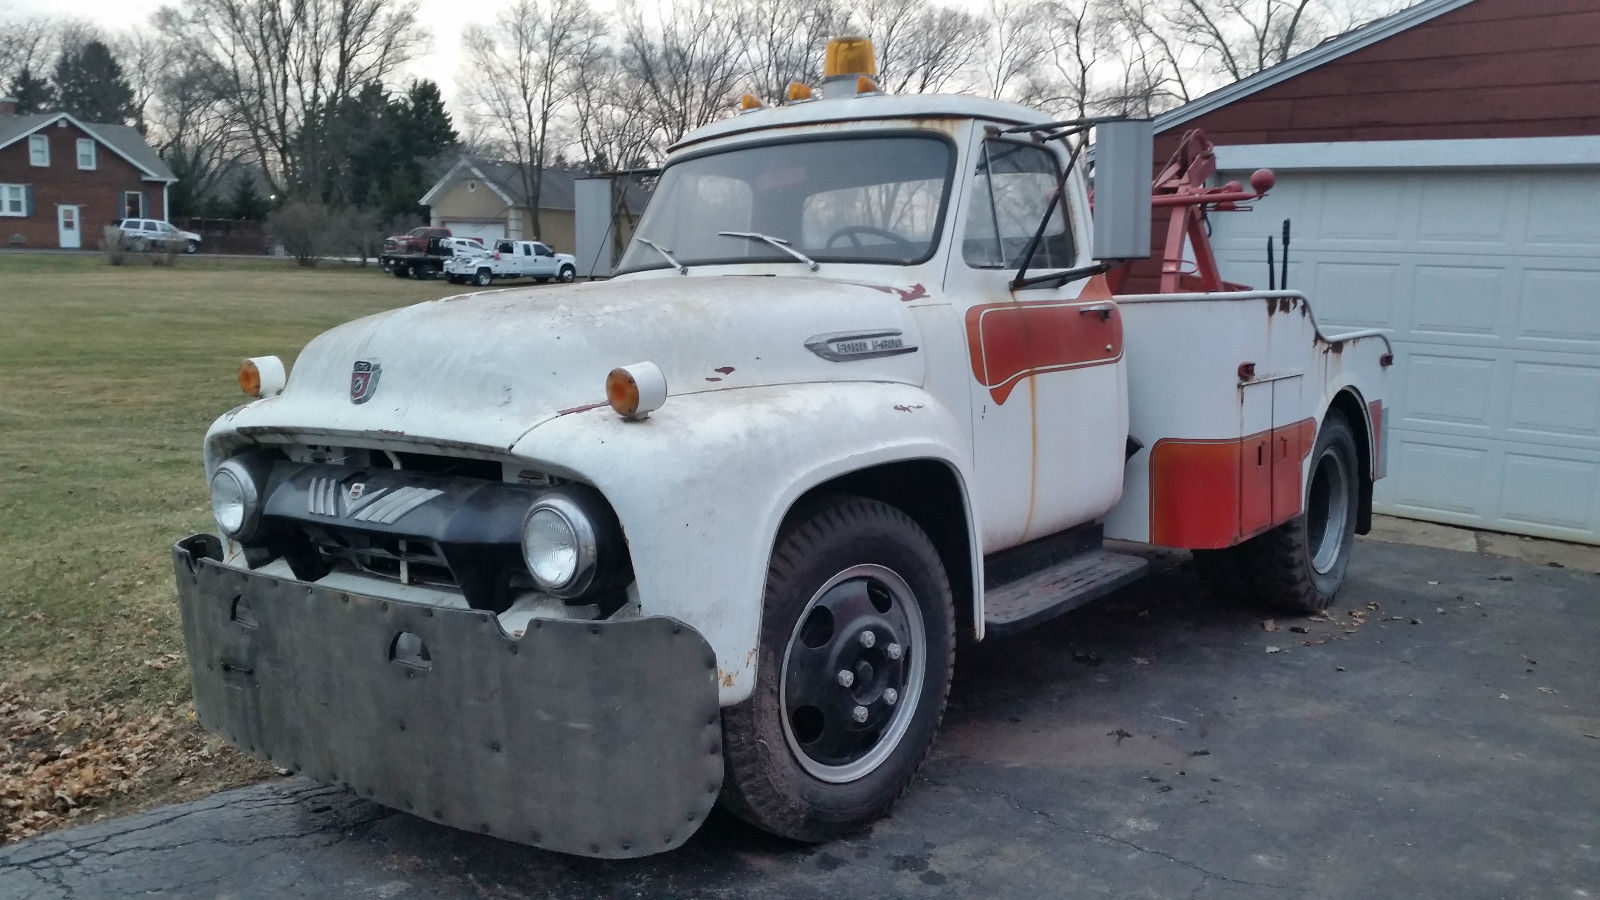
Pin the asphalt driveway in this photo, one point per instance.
(1437, 736)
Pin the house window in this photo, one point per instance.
(38, 150)
(133, 204)
(13, 200)
(86, 159)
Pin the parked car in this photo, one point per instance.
(513, 259)
(153, 234)
(421, 251)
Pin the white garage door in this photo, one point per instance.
(1489, 283)
(483, 231)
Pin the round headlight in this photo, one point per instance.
(559, 546)
(235, 504)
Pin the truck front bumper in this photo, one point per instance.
(592, 738)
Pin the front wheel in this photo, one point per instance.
(567, 274)
(191, 246)
(1299, 566)
(857, 646)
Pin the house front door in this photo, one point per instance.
(68, 227)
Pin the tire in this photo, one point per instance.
(566, 274)
(1299, 566)
(191, 247)
(797, 763)
(138, 245)
(484, 278)
(401, 270)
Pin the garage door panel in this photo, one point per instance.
(1560, 306)
(1449, 390)
(1355, 294)
(1458, 300)
(1549, 401)
(1539, 490)
(1464, 209)
(1426, 476)
(1488, 283)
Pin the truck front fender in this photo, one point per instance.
(702, 486)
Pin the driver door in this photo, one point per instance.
(1048, 385)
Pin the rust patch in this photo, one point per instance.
(577, 409)
(750, 658)
(915, 292)
(391, 432)
(901, 407)
(713, 379)
(724, 678)
(723, 370)
(1336, 347)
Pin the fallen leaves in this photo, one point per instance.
(57, 763)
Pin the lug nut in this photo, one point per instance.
(891, 696)
(868, 638)
(846, 678)
(859, 714)
(894, 651)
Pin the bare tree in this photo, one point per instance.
(190, 115)
(922, 48)
(682, 62)
(783, 40)
(523, 69)
(145, 59)
(1241, 37)
(25, 43)
(1015, 45)
(611, 132)
(289, 61)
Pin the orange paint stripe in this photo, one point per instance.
(1199, 488)
(1013, 340)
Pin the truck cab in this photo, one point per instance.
(571, 566)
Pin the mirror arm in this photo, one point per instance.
(1021, 280)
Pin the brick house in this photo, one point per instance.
(1441, 168)
(62, 180)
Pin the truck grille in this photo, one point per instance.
(405, 560)
(383, 506)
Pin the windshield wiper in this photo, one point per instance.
(778, 242)
(666, 255)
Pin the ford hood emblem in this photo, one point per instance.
(363, 380)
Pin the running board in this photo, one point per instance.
(1042, 595)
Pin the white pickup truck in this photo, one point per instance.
(512, 259)
(570, 567)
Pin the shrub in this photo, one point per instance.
(115, 244)
(304, 228)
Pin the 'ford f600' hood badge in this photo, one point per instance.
(363, 380)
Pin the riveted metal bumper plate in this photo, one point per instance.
(592, 738)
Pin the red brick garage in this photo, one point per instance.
(1441, 170)
(62, 181)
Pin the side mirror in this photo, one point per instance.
(1123, 166)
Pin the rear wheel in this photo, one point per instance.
(1300, 565)
(857, 644)
(484, 278)
(401, 270)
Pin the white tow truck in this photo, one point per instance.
(512, 259)
(569, 567)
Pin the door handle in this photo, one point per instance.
(1104, 310)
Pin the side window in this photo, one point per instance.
(1012, 187)
(149, 225)
(542, 250)
(527, 249)
(504, 247)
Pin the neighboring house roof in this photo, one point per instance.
(122, 140)
(556, 187)
(1327, 51)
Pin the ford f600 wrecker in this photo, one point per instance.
(569, 566)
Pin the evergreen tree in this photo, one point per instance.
(246, 202)
(32, 93)
(90, 84)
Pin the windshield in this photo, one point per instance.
(874, 199)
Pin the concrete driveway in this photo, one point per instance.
(1442, 741)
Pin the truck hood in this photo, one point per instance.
(483, 369)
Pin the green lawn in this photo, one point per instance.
(108, 379)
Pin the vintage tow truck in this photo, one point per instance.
(571, 566)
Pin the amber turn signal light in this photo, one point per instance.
(636, 391)
(749, 102)
(798, 92)
(866, 84)
(262, 376)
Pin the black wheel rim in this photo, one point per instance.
(852, 673)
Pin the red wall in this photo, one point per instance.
(98, 193)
